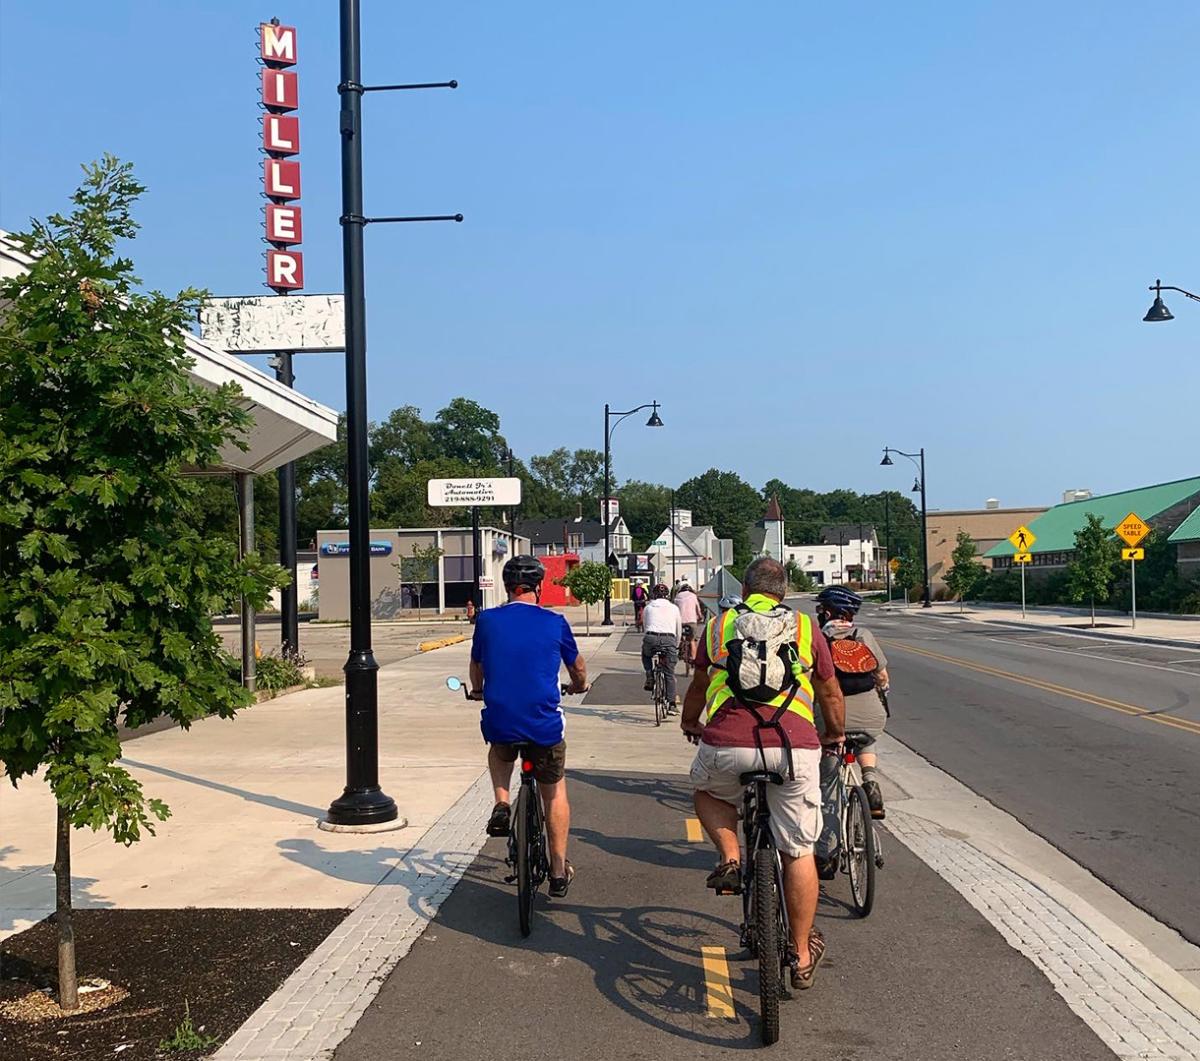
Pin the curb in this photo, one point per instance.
(1101, 635)
(441, 642)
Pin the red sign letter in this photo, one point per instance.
(280, 89)
(281, 134)
(281, 179)
(285, 270)
(277, 44)
(284, 224)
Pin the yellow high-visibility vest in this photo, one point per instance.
(721, 630)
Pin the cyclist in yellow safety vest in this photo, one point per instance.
(733, 741)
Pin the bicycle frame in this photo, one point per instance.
(756, 827)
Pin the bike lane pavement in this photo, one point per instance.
(617, 969)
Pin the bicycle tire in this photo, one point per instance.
(860, 851)
(767, 943)
(522, 822)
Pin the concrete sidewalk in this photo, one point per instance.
(1183, 630)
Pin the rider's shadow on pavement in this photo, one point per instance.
(646, 960)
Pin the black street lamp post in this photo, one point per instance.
(654, 421)
(919, 485)
(511, 458)
(362, 803)
(887, 543)
(1158, 310)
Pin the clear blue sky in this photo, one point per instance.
(944, 214)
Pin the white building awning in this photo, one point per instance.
(287, 425)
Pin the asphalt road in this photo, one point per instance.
(1092, 744)
(615, 970)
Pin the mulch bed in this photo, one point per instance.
(223, 963)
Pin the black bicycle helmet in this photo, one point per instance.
(526, 571)
(837, 600)
(660, 591)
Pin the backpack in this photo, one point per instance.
(855, 664)
(761, 655)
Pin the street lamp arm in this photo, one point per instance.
(911, 456)
(1168, 287)
(621, 416)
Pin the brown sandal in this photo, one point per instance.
(802, 975)
(726, 879)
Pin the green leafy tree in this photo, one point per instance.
(646, 509)
(799, 579)
(908, 575)
(965, 571)
(465, 431)
(727, 502)
(588, 583)
(419, 569)
(1093, 567)
(107, 583)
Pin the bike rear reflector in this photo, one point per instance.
(527, 766)
(849, 757)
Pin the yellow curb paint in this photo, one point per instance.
(1136, 710)
(429, 646)
(694, 832)
(716, 982)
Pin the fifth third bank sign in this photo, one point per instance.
(465, 493)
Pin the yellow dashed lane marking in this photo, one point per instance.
(1136, 710)
(716, 982)
(694, 832)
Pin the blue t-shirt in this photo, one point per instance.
(521, 647)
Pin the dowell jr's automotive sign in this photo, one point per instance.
(281, 143)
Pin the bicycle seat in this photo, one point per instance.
(752, 777)
(854, 741)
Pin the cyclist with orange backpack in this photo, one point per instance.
(861, 669)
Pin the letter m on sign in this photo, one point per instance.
(277, 44)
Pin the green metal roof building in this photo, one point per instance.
(1171, 507)
(1186, 540)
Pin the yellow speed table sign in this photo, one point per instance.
(1132, 529)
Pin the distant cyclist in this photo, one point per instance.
(740, 733)
(862, 674)
(662, 628)
(640, 597)
(691, 611)
(515, 658)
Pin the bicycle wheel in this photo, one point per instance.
(660, 695)
(766, 939)
(523, 823)
(860, 851)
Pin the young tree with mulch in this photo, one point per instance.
(1093, 568)
(588, 583)
(106, 585)
(965, 570)
(419, 569)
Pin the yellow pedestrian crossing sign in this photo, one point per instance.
(1023, 558)
(894, 564)
(1022, 540)
(1133, 554)
(1132, 529)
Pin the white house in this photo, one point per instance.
(846, 552)
(695, 553)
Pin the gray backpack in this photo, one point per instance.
(759, 664)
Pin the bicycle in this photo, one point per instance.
(860, 851)
(528, 852)
(765, 930)
(662, 705)
(687, 646)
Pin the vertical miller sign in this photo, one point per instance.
(281, 168)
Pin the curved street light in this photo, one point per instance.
(1158, 308)
(654, 421)
(918, 487)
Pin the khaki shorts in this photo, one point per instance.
(795, 805)
(549, 763)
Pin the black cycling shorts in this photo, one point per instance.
(549, 762)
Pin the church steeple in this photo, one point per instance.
(772, 524)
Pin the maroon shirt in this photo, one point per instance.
(733, 725)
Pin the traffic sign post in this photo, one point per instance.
(1022, 540)
(1132, 529)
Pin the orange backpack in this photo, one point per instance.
(855, 664)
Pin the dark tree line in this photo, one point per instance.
(465, 439)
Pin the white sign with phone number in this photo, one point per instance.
(465, 493)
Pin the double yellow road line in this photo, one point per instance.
(1136, 710)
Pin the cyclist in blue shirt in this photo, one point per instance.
(515, 658)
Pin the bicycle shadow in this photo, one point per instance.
(673, 795)
(645, 959)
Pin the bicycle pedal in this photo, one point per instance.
(510, 879)
(728, 891)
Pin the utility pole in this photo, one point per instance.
(289, 596)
